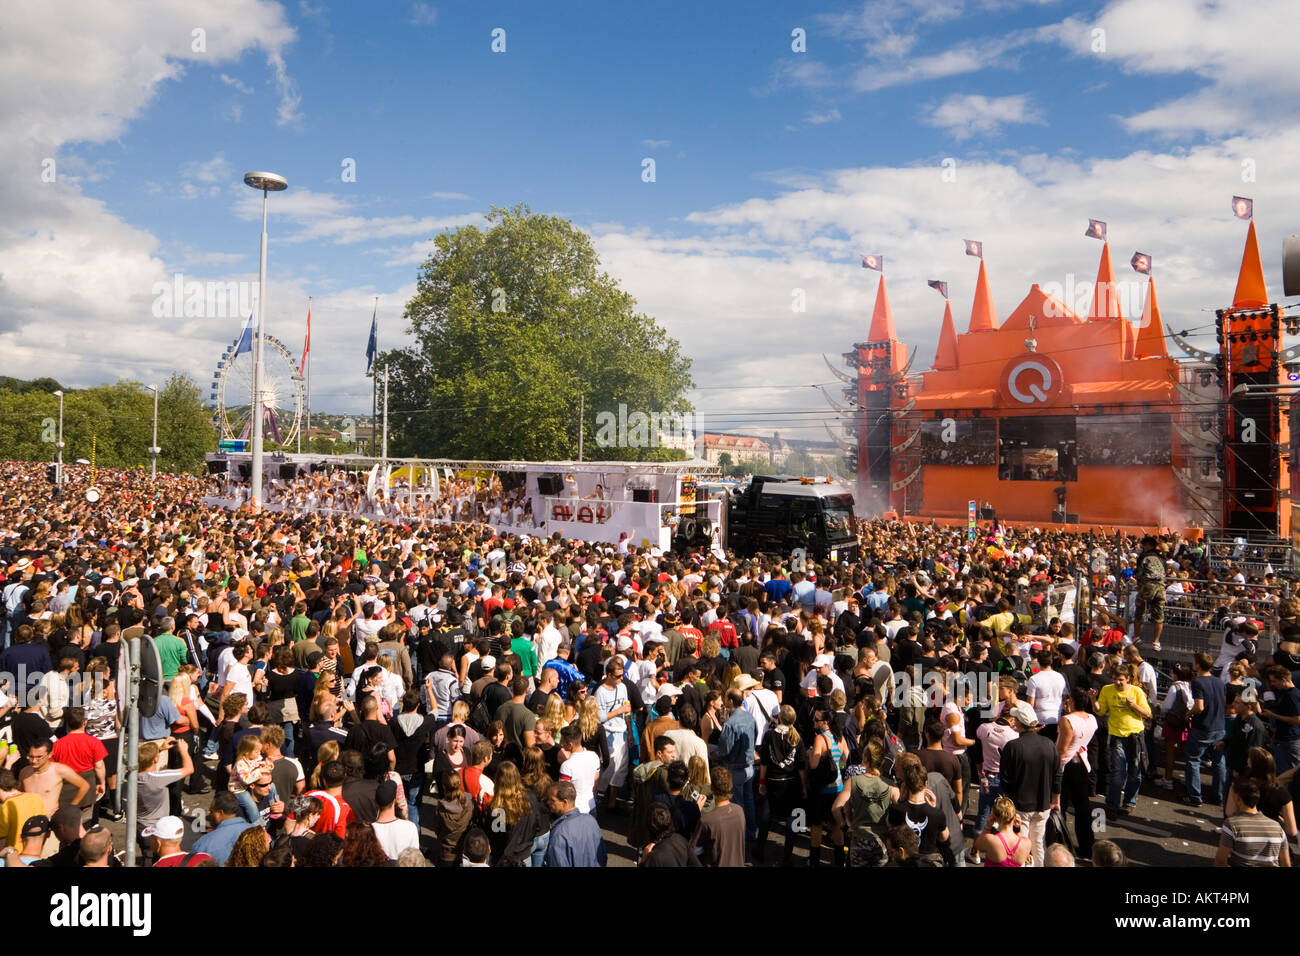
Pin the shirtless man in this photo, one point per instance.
(46, 777)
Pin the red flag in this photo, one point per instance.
(306, 346)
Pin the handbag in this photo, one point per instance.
(283, 711)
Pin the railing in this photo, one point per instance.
(1196, 618)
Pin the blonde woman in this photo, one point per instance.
(515, 842)
(553, 716)
(328, 751)
(697, 783)
(593, 731)
(1005, 840)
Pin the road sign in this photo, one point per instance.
(232, 444)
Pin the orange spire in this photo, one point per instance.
(1105, 294)
(882, 319)
(946, 356)
(983, 317)
(1151, 335)
(1250, 293)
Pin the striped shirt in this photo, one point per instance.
(1253, 839)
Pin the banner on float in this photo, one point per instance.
(970, 519)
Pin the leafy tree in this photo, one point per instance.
(724, 462)
(511, 324)
(117, 419)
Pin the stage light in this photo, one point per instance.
(1205, 380)
(1293, 371)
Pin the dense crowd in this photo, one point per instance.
(414, 691)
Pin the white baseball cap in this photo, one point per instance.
(168, 828)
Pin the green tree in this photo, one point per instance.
(512, 324)
(116, 419)
(724, 462)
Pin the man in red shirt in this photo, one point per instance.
(726, 633)
(478, 784)
(167, 834)
(336, 814)
(84, 754)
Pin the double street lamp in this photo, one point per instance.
(268, 183)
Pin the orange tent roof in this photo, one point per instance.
(882, 319)
(983, 317)
(1105, 294)
(1151, 335)
(1047, 311)
(1250, 293)
(946, 356)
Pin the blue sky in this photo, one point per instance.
(774, 168)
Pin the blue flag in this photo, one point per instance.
(373, 346)
(245, 338)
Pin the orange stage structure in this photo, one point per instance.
(1048, 416)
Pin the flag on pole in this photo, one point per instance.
(1141, 262)
(873, 262)
(372, 347)
(974, 248)
(306, 346)
(940, 287)
(1243, 208)
(1096, 230)
(245, 337)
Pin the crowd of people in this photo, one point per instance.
(343, 691)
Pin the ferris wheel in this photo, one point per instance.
(282, 393)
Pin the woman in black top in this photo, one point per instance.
(783, 777)
(282, 687)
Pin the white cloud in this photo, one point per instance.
(796, 71)
(831, 115)
(286, 113)
(214, 170)
(737, 264)
(1246, 62)
(236, 83)
(75, 280)
(439, 195)
(424, 14)
(965, 115)
(656, 143)
(324, 217)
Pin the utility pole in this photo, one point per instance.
(385, 414)
(582, 408)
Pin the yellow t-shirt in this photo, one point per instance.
(16, 811)
(1123, 720)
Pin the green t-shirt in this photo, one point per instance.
(172, 652)
(527, 654)
(298, 627)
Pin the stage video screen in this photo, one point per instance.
(959, 441)
(1041, 448)
(1124, 439)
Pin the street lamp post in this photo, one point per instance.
(153, 448)
(267, 182)
(58, 471)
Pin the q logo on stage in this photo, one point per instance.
(1032, 379)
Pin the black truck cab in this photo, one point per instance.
(779, 514)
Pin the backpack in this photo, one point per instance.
(479, 718)
(1177, 716)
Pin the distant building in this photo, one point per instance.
(712, 447)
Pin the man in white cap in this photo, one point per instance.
(167, 834)
(822, 664)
